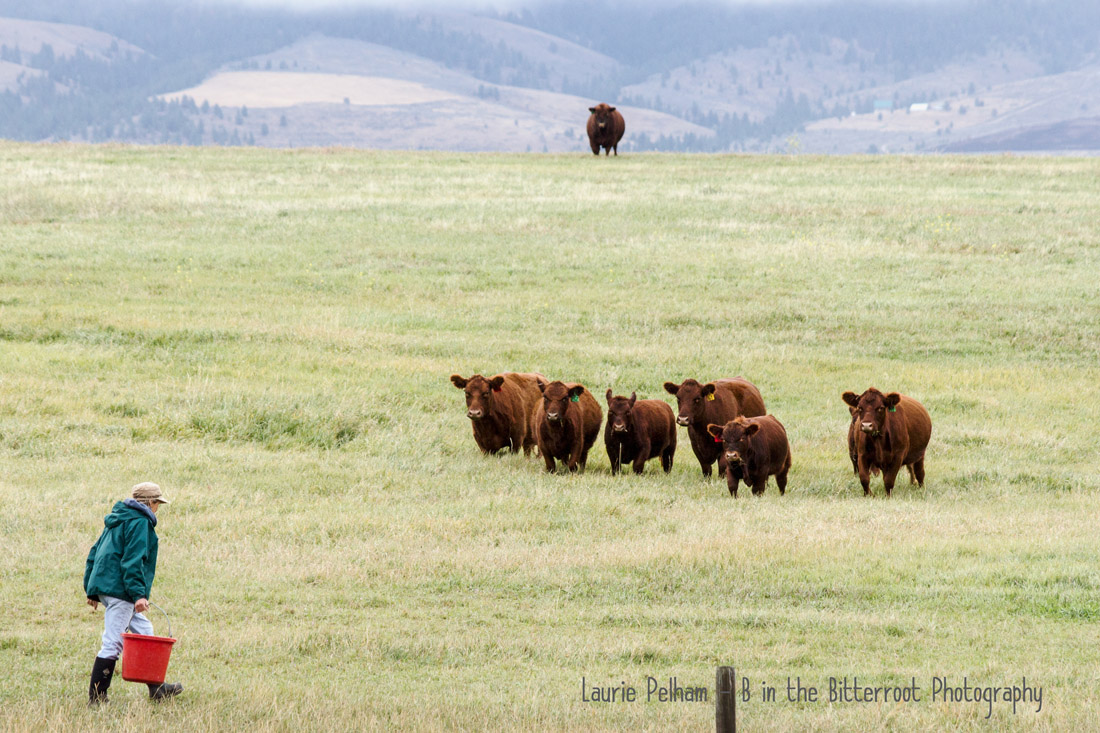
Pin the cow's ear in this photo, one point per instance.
(851, 398)
(542, 385)
(633, 398)
(708, 389)
(592, 110)
(458, 381)
(609, 395)
(576, 390)
(496, 382)
(611, 109)
(892, 400)
(671, 388)
(751, 428)
(715, 430)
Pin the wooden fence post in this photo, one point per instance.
(725, 713)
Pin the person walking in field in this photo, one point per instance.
(119, 574)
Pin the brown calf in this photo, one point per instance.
(893, 431)
(500, 409)
(754, 448)
(567, 421)
(713, 403)
(638, 431)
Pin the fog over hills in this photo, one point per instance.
(829, 77)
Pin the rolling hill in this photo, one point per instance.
(24, 44)
(333, 91)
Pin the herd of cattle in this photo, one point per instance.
(725, 419)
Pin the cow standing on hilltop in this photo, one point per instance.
(893, 432)
(605, 129)
(715, 403)
(638, 430)
(500, 409)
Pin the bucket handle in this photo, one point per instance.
(165, 617)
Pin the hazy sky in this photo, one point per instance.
(505, 5)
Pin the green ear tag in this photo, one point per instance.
(893, 409)
(575, 398)
(710, 397)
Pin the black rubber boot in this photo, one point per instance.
(165, 690)
(102, 672)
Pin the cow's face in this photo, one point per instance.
(691, 397)
(870, 409)
(619, 413)
(603, 116)
(734, 437)
(556, 398)
(479, 393)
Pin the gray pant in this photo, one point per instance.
(118, 615)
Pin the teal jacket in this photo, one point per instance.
(123, 560)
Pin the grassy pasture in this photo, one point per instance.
(269, 336)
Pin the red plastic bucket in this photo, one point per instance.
(145, 658)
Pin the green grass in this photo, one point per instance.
(269, 335)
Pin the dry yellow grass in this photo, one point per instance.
(287, 88)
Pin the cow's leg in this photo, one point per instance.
(889, 475)
(549, 459)
(781, 481)
(758, 485)
(583, 460)
(578, 454)
(613, 455)
(865, 480)
(666, 458)
(731, 483)
(705, 466)
(918, 471)
(642, 456)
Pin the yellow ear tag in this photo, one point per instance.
(710, 397)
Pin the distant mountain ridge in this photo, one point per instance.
(464, 81)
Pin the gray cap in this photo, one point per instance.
(148, 491)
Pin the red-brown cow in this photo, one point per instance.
(754, 448)
(638, 431)
(567, 421)
(893, 432)
(715, 403)
(605, 129)
(500, 409)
